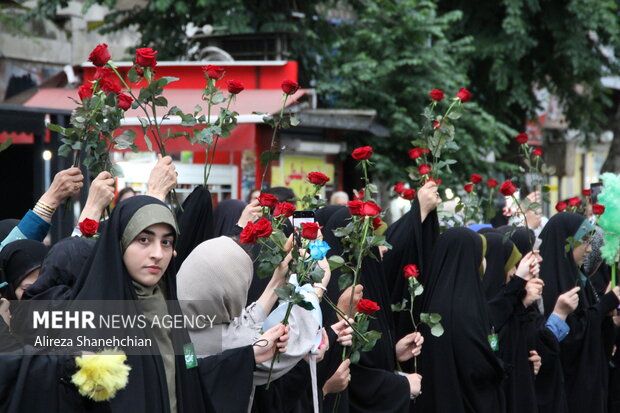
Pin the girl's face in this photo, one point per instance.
(149, 254)
(26, 282)
(580, 252)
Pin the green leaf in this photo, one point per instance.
(160, 101)
(435, 318)
(335, 262)
(165, 80)
(345, 280)
(355, 357)
(425, 318)
(56, 128)
(455, 115)
(437, 330)
(294, 121)
(4, 145)
(148, 143)
(267, 157)
(218, 98)
(402, 306)
(65, 150)
(125, 139)
(116, 171)
(132, 75)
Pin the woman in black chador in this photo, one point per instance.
(130, 263)
(583, 355)
(460, 369)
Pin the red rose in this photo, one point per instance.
(100, 55)
(408, 194)
(235, 87)
(263, 228)
(574, 201)
(464, 95)
(521, 138)
(468, 188)
(561, 206)
(436, 94)
(355, 207)
(318, 178)
(85, 92)
(213, 71)
(598, 209)
(586, 192)
(415, 153)
(110, 85)
(370, 209)
(437, 181)
(367, 306)
(284, 208)
(537, 152)
(267, 200)
(492, 183)
(88, 227)
(249, 234)
(310, 230)
(362, 153)
(376, 223)
(360, 195)
(424, 169)
(507, 188)
(399, 187)
(145, 57)
(289, 87)
(436, 125)
(475, 178)
(411, 270)
(124, 101)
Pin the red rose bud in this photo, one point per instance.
(318, 178)
(370, 209)
(537, 152)
(263, 228)
(267, 200)
(88, 227)
(468, 188)
(464, 95)
(289, 87)
(424, 169)
(436, 125)
(436, 95)
(598, 209)
(492, 183)
(507, 188)
(249, 234)
(355, 207)
(362, 153)
(213, 71)
(574, 201)
(284, 208)
(586, 192)
(415, 153)
(399, 187)
(521, 138)
(408, 194)
(146, 57)
(360, 195)
(235, 87)
(124, 101)
(310, 230)
(85, 92)
(369, 307)
(411, 270)
(475, 178)
(561, 206)
(100, 55)
(376, 223)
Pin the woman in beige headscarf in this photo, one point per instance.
(214, 281)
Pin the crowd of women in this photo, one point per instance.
(525, 330)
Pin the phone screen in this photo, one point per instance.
(595, 190)
(300, 217)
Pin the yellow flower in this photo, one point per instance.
(101, 375)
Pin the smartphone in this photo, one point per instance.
(300, 217)
(595, 190)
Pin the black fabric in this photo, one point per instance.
(522, 237)
(497, 254)
(106, 278)
(583, 352)
(461, 372)
(6, 226)
(226, 216)
(374, 386)
(195, 223)
(412, 243)
(17, 260)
